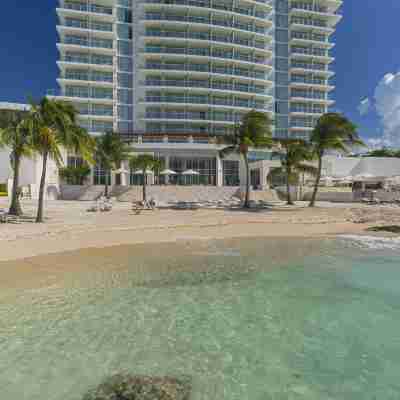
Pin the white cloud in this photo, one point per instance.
(364, 106)
(387, 104)
(377, 143)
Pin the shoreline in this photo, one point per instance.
(71, 228)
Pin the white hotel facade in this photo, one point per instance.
(170, 75)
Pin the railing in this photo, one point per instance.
(211, 85)
(208, 69)
(96, 43)
(208, 21)
(87, 59)
(209, 37)
(193, 116)
(313, 81)
(88, 8)
(314, 67)
(314, 8)
(306, 110)
(98, 26)
(309, 95)
(310, 52)
(204, 52)
(206, 101)
(310, 36)
(216, 6)
(93, 77)
(309, 22)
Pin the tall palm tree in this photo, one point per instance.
(15, 136)
(295, 157)
(54, 127)
(111, 150)
(254, 131)
(332, 132)
(145, 162)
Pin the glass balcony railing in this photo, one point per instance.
(311, 81)
(309, 22)
(313, 7)
(309, 95)
(88, 8)
(307, 110)
(207, 53)
(310, 66)
(210, 69)
(213, 20)
(98, 26)
(88, 59)
(309, 51)
(310, 36)
(89, 76)
(81, 41)
(205, 116)
(207, 101)
(250, 11)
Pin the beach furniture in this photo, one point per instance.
(3, 216)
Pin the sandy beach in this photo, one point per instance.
(69, 226)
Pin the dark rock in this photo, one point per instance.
(132, 387)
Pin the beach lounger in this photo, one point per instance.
(3, 216)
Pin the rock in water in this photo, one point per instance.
(133, 387)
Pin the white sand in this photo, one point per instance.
(69, 226)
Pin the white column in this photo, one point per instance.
(219, 172)
(124, 177)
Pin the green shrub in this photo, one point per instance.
(75, 175)
(3, 194)
(3, 188)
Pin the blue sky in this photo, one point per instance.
(367, 48)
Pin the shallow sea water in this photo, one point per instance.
(253, 319)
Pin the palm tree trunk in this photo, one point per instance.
(39, 216)
(144, 188)
(106, 188)
(247, 198)
(289, 196)
(15, 206)
(317, 181)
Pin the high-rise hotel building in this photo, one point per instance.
(176, 70)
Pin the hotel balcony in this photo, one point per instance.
(73, 43)
(299, 67)
(325, 13)
(63, 65)
(84, 29)
(312, 54)
(158, 54)
(81, 9)
(309, 38)
(308, 99)
(259, 9)
(311, 84)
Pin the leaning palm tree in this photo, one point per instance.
(15, 136)
(144, 163)
(111, 150)
(54, 127)
(332, 132)
(254, 131)
(295, 156)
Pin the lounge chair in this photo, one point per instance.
(94, 207)
(3, 216)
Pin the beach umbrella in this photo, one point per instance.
(140, 172)
(121, 171)
(190, 172)
(167, 172)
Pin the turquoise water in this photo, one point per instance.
(250, 319)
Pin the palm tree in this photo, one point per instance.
(145, 162)
(294, 157)
(15, 135)
(254, 131)
(54, 127)
(332, 132)
(111, 150)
